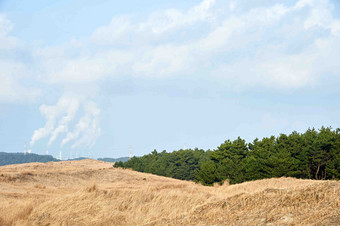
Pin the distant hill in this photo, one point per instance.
(123, 159)
(77, 159)
(17, 158)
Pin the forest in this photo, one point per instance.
(314, 154)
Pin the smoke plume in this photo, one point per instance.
(60, 119)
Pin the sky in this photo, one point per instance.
(96, 78)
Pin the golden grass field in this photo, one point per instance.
(91, 192)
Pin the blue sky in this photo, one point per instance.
(98, 76)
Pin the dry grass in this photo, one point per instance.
(90, 192)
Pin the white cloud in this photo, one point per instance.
(113, 34)
(220, 36)
(165, 60)
(11, 87)
(172, 19)
(6, 41)
(5, 26)
(276, 46)
(12, 91)
(274, 62)
(122, 31)
(289, 72)
(91, 68)
(176, 42)
(255, 45)
(12, 70)
(303, 3)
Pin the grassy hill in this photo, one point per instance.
(91, 192)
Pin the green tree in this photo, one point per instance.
(206, 173)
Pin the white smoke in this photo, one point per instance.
(71, 106)
(59, 119)
(92, 132)
(82, 125)
(87, 129)
(50, 113)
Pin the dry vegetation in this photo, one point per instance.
(91, 192)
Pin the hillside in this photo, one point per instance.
(93, 192)
(18, 158)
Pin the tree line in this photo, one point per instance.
(314, 154)
(18, 158)
(123, 159)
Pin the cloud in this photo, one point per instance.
(242, 46)
(13, 72)
(288, 54)
(6, 26)
(273, 46)
(114, 34)
(10, 88)
(13, 76)
(124, 31)
(173, 19)
(163, 61)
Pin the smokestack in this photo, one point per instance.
(70, 157)
(25, 148)
(60, 155)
